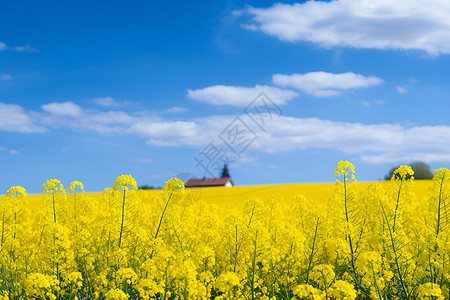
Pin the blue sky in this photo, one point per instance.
(92, 90)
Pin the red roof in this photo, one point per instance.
(207, 182)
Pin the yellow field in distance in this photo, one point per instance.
(237, 195)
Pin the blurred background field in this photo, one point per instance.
(237, 195)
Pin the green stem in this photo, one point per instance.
(397, 203)
(123, 218)
(395, 254)
(54, 207)
(311, 256)
(349, 235)
(252, 282)
(439, 206)
(160, 221)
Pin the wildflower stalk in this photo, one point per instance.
(441, 184)
(252, 281)
(237, 247)
(238, 244)
(160, 221)
(3, 226)
(376, 284)
(397, 203)
(162, 215)
(396, 256)
(439, 208)
(123, 219)
(54, 207)
(349, 234)
(178, 238)
(311, 256)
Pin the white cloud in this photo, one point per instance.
(238, 95)
(26, 48)
(399, 158)
(323, 84)
(13, 152)
(373, 143)
(176, 109)
(253, 161)
(383, 24)
(401, 90)
(170, 133)
(143, 161)
(3, 46)
(14, 118)
(106, 123)
(5, 76)
(67, 108)
(106, 101)
(369, 103)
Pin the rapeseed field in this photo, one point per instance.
(345, 240)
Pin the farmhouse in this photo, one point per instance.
(224, 181)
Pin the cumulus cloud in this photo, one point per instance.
(176, 109)
(369, 103)
(323, 84)
(67, 108)
(238, 95)
(373, 143)
(383, 24)
(105, 123)
(14, 118)
(106, 101)
(26, 48)
(401, 90)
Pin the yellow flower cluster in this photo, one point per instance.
(125, 182)
(430, 291)
(403, 173)
(342, 290)
(374, 243)
(116, 294)
(323, 275)
(227, 281)
(308, 292)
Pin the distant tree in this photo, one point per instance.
(225, 172)
(390, 173)
(148, 187)
(421, 171)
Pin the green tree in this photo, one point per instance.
(225, 172)
(148, 187)
(421, 171)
